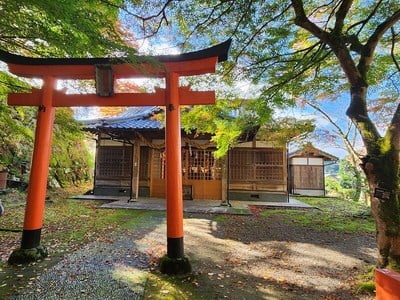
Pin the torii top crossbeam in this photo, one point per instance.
(104, 71)
(187, 64)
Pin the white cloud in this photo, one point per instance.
(146, 48)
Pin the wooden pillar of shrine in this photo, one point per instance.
(135, 172)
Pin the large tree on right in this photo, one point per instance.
(326, 48)
(355, 51)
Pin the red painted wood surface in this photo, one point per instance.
(34, 210)
(387, 284)
(174, 161)
(185, 68)
(60, 99)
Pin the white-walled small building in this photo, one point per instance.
(307, 171)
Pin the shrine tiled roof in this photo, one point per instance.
(140, 117)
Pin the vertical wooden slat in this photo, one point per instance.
(136, 164)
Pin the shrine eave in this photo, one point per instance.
(186, 64)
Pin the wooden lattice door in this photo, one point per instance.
(114, 162)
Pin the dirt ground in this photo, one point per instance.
(253, 257)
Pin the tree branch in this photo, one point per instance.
(160, 14)
(302, 21)
(242, 17)
(393, 40)
(296, 75)
(370, 46)
(333, 40)
(258, 31)
(394, 129)
(365, 21)
(276, 57)
(343, 135)
(326, 6)
(210, 19)
(341, 15)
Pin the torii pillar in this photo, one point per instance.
(174, 161)
(104, 70)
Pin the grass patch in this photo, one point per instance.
(80, 222)
(366, 288)
(329, 214)
(68, 224)
(365, 283)
(134, 278)
(219, 218)
(160, 286)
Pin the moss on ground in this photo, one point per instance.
(329, 214)
(175, 266)
(26, 256)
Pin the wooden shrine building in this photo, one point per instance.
(130, 161)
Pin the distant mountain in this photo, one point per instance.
(332, 169)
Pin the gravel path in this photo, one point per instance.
(98, 271)
(113, 268)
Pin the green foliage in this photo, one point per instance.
(231, 120)
(332, 186)
(284, 129)
(217, 120)
(351, 180)
(17, 123)
(45, 28)
(51, 28)
(70, 161)
(350, 183)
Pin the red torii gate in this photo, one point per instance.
(104, 70)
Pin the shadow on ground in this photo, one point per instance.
(233, 257)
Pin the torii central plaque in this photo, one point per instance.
(104, 71)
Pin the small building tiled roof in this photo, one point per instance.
(310, 151)
(136, 117)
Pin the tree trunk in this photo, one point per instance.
(381, 167)
(381, 164)
(384, 186)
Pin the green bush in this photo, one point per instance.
(70, 163)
